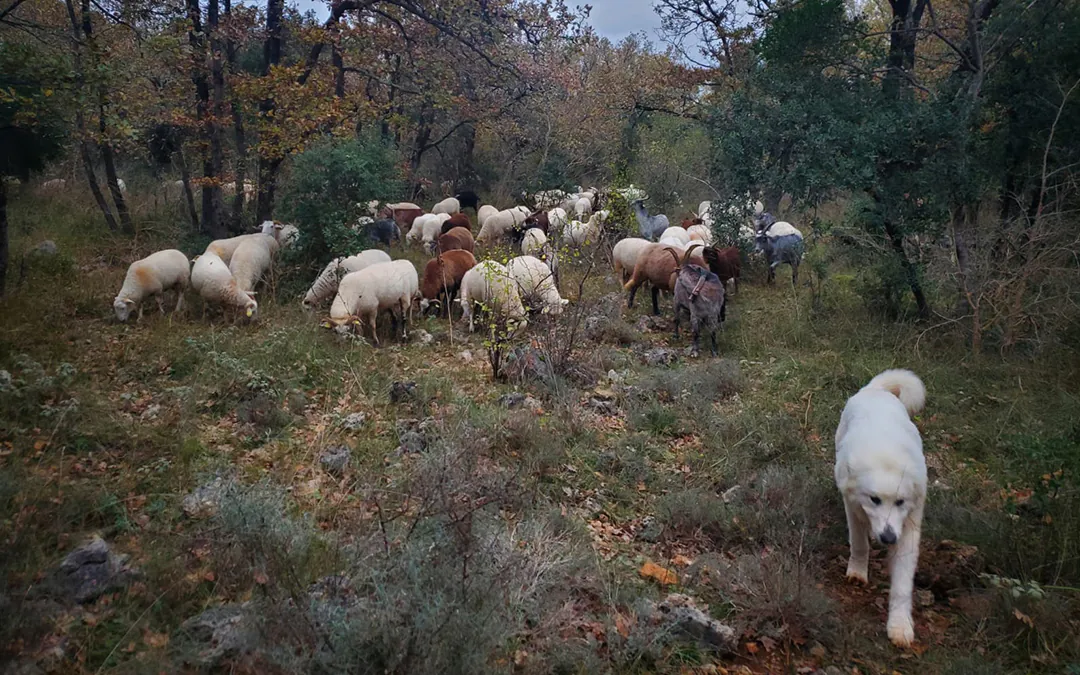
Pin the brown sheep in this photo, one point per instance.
(657, 266)
(457, 220)
(458, 238)
(403, 214)
(442, 277)
(724, 263)
(539, 220)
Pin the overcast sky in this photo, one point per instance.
(613, 19)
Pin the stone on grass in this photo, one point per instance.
(683, 617)
(336, 459)
(660, 356)
(354, 421)
(220, 633)
(204, 501)
(89, 572)
(422, 337)
(402, 391)
(47, 247)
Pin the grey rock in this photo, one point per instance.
(660, 356)
(151, 412)
(679, 612)
(524, 363)
(336, 459)
(466, 356)
(5, 381)
(414, 435)
(514, 399)
(648, 324)
(354, 421)
(602, 406)
(47, 247)
(422, 337)
(89, 572)
(204, 501)
(297, 402)
(650, 530)
(220, 633)
(402, 391)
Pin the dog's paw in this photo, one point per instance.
(856, 574)
(901, 631)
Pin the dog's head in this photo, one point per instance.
(888, 499)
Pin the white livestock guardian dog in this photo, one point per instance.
(881, 472)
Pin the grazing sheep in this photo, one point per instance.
(538, 221)
(490, 284)
(285, 235)
(533, 241)
(625, 254)
(153, 275)
(536, 283)
(782, 249)
(326, 284)
(212, 280)
(577, 233)
(700, 233)
(678, 233)
(704, 210)
(546, 199)
(650, 227)
(456, 220)
(427, 228)
(458, 238)
(54, 184)
(224, 248)
(483, 212)
(583, 207)
(387, 286)
(449, 206)
(655, 266)
(467, 199)
(442, 277)
(499, 225)
(699, 293)
(724, 263)
(249, 262)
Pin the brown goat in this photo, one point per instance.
(687, 223)
(404, 217)
(457, 220)
(442, 277)
(657, 266)
(459, 238)
(724, 263)
(538, 220)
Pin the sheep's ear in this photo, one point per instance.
(565, 302)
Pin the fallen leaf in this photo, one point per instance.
(622, 625)
(156, 640)
(1024, 617)
(752, 647)
(659, 574)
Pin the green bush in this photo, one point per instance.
(330, 184)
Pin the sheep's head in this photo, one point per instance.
(123, 307)
(251, 310)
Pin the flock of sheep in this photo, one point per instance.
(682, 260)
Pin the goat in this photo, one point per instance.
(468, 199)
(457, 220)
(780, 249)
(458, 238)
(654, 266)
(701, 294)
(651, 227)
(724, 263)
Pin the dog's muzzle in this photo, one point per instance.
(887, 537)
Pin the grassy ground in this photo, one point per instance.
(514, 541)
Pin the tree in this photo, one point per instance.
(31, 126)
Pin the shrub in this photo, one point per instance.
(330, 185)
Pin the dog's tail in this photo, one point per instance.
(904, 385)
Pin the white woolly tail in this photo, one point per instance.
(904, 385)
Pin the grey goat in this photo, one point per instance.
(700, 293)
(651, 227)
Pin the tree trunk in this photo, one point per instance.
(217, 113)
(236, 224)
(211, 223)
(962, 229)
(106, 147)
(339, 71)
(189, 196)
(268, 166)
(903, 34)
(4, 247)
(912, 272)
(80, 117)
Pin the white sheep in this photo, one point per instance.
(675, 232)
(490, 284)
(449, 206)
(536, 282)
(54, 184)
(285, 235)
(250, 261)
(121, 185)
(583, 208)
(704, 210)
(700, 233)
(483, 212)
(674, 242)
(557, 220)
(577, 233)
(546, 199)
(326, 284)
(498, 225)
(383, 286)
(625, 254)
(153, 275)
(224, 248)
(533, 241)
(212, 280)
(782, 229)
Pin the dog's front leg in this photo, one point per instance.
(859, 540)
(902, 564)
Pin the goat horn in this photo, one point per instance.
(689, 252)
(678, 265)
